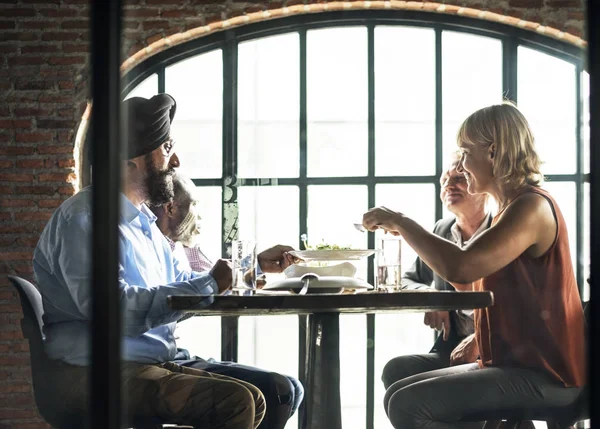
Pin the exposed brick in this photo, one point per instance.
(16, 177)
(66, 190)
(29, 241)
(21, 388)
(31, 111)
(526, 3)
(59, 36)
(6, 164)
(18, 12)
(58, 13)
(37, 25)
(67, 60)
(141, 12)
(36, 49)
(44, 150)
(49, 98)
(150, 40)
(15, 256)
(5, 216)
(177, 13)
(75, 24)
(66, 84)
(49, 203)
(4, 111)
(20, 123)
(16, 150)
(70, 48)
(34, 137)
(18, 35)
(16, 203)
(34, 216)
(26, 61)
(7, 25)
(30, 163)
(155, 25)
(34, 85)
(563, 3)
(55, 123)
(66, 163)
(36, 190)
(8, 49)
(56, 177)
(65, 136)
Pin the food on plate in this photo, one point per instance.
(322, 245)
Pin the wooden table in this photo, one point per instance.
(322, 368)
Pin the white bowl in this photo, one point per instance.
(345, 269)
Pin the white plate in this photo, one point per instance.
(345, 269)
(331, 255)
(326, 284)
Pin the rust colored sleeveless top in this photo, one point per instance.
(537, 318)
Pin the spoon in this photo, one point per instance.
(360, 227)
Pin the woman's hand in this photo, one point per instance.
(384, 218)
(466, 351)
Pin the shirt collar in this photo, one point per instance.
(456, 234)
(130, 212)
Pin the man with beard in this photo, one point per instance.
(179, 221)
(456, 328)
(153, 385)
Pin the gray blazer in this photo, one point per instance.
(420, 276)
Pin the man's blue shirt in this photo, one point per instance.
(148, 273)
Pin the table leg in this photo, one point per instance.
(322, 372)
(229, 338)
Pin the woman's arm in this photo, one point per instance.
(528, 224)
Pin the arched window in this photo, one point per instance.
(298, 125)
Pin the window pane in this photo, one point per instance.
(586, 241)
(197, 85)
(396, 335)
(210, 240)
(565, 196)
(147, 88)
(548, 102)
(417, 201)
(337, 102)
(471, 79)
(269, 107)
(353, 370)
(585, 94)
(270, 342)
(332, 211)
(404, 101)
(403, 333)
(270, 214)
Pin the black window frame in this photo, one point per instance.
(511, 37)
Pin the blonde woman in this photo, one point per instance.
(531, 342)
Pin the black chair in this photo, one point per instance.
(555, 417)
(41, 366)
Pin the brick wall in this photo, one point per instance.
(43, 79)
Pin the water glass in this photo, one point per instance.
(244, 262)
(389, 268)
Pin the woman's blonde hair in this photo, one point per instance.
(516, 162)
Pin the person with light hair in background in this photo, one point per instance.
(179, 220)
(531, 341)
(470, 218)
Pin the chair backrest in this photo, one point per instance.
(33, 309)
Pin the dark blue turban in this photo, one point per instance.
(148, 123)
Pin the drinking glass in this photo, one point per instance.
(244, 261)
(389, 268)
